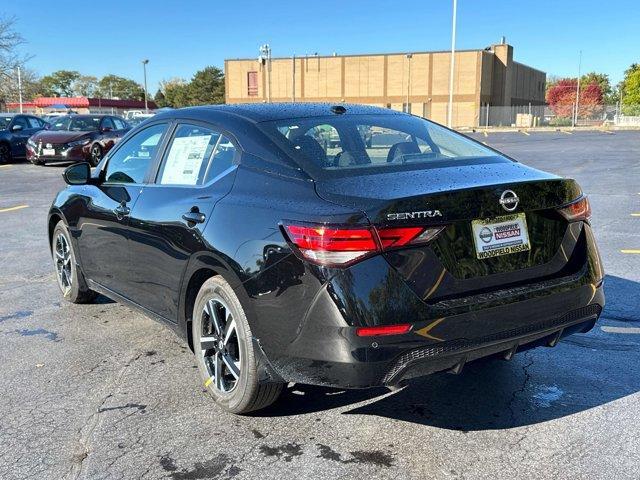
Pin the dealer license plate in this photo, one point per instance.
(500, 235)
(48, 151)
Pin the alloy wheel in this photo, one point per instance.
(62, 252)
(96, 154)
(219, 346)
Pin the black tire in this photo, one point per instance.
(69, 276)
(5, 153)
(96, 154)
(237, 393)
(39, 163)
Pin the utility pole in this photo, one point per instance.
(20, 89)
(409, 56)
(265, 59)
(144, 68)
(293, 79)
(453, 62)
(575, 118)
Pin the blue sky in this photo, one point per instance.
(181, 37)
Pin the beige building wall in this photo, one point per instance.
(418, 82)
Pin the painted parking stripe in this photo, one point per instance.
(637, 252)
(635, 214)
(526, 133)
(568, 133)
(632, 330)
(11, 209)
(5, 166)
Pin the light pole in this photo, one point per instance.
(144, 69)
(265, 59)
(453, 63)
(575, 117)
(20, 89)
(409, 57)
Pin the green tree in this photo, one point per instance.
(159, 99)
(631, 90)
(59, 84)
(85, 86)
(609, 96)
(30, 86)
(207, 87)
(175, 92)
(119, 87)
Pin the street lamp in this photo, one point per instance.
(409, 57)
(453, 51)
(265, 59)
(144, 69)
(20, 88)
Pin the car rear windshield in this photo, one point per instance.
(76, 124)
(357, 144)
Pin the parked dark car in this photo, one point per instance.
(279, 261)
(15, 130)
(76, 138)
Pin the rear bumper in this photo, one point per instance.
(444, 336)
(336, 357)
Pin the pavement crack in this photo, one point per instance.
(515, 393)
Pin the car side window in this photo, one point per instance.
(34, 122)
(222, 158)
(120, 125)
(132, 160)
(107, 123)
(22, 122)
(188, 156)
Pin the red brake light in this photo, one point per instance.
(331, 245)
(397, 237)
(383, 330)
(578, 210)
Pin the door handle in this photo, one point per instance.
(121, 211)
(194, 217)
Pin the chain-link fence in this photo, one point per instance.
(528, 116)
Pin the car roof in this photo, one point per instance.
(264, 112)
(9, 114)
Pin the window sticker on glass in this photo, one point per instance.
(185, 159)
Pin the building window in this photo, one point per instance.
(252, 84)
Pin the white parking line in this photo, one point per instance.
(632, 330)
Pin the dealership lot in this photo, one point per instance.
(100, 391)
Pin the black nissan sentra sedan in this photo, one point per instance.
(342, 245)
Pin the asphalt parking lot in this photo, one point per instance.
(100, 391)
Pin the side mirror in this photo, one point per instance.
(16, 128)
(105, 129)
(77, 174)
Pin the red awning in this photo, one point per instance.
(83, 102)
(71, 102)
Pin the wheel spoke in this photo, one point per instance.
(208, 343)
(218, 372)
(232, 365)
(229, 328)
(59, 255)
(212, 311)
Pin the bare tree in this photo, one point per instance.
(10, 58)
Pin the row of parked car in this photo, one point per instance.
(65, 138)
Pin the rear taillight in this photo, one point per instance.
(338, 246)
(578, 210)
(381, 330)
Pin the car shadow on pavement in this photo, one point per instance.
(584, 371)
